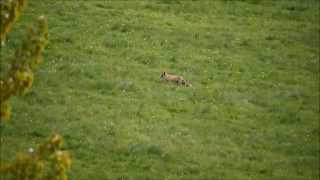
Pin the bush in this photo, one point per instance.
(49, 161)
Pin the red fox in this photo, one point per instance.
(174, 78)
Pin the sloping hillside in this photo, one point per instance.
(252, 112)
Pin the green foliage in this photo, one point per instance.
(10, 10)
(48, 162)
(18, 79)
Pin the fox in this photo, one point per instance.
(174, 78)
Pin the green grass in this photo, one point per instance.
(252, 113)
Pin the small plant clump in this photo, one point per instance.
(48, 162)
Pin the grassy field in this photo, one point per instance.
(252, 112)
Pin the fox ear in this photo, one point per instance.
(164, 73)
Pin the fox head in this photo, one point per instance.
(163, 75)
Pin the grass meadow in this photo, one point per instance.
(252, 112)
